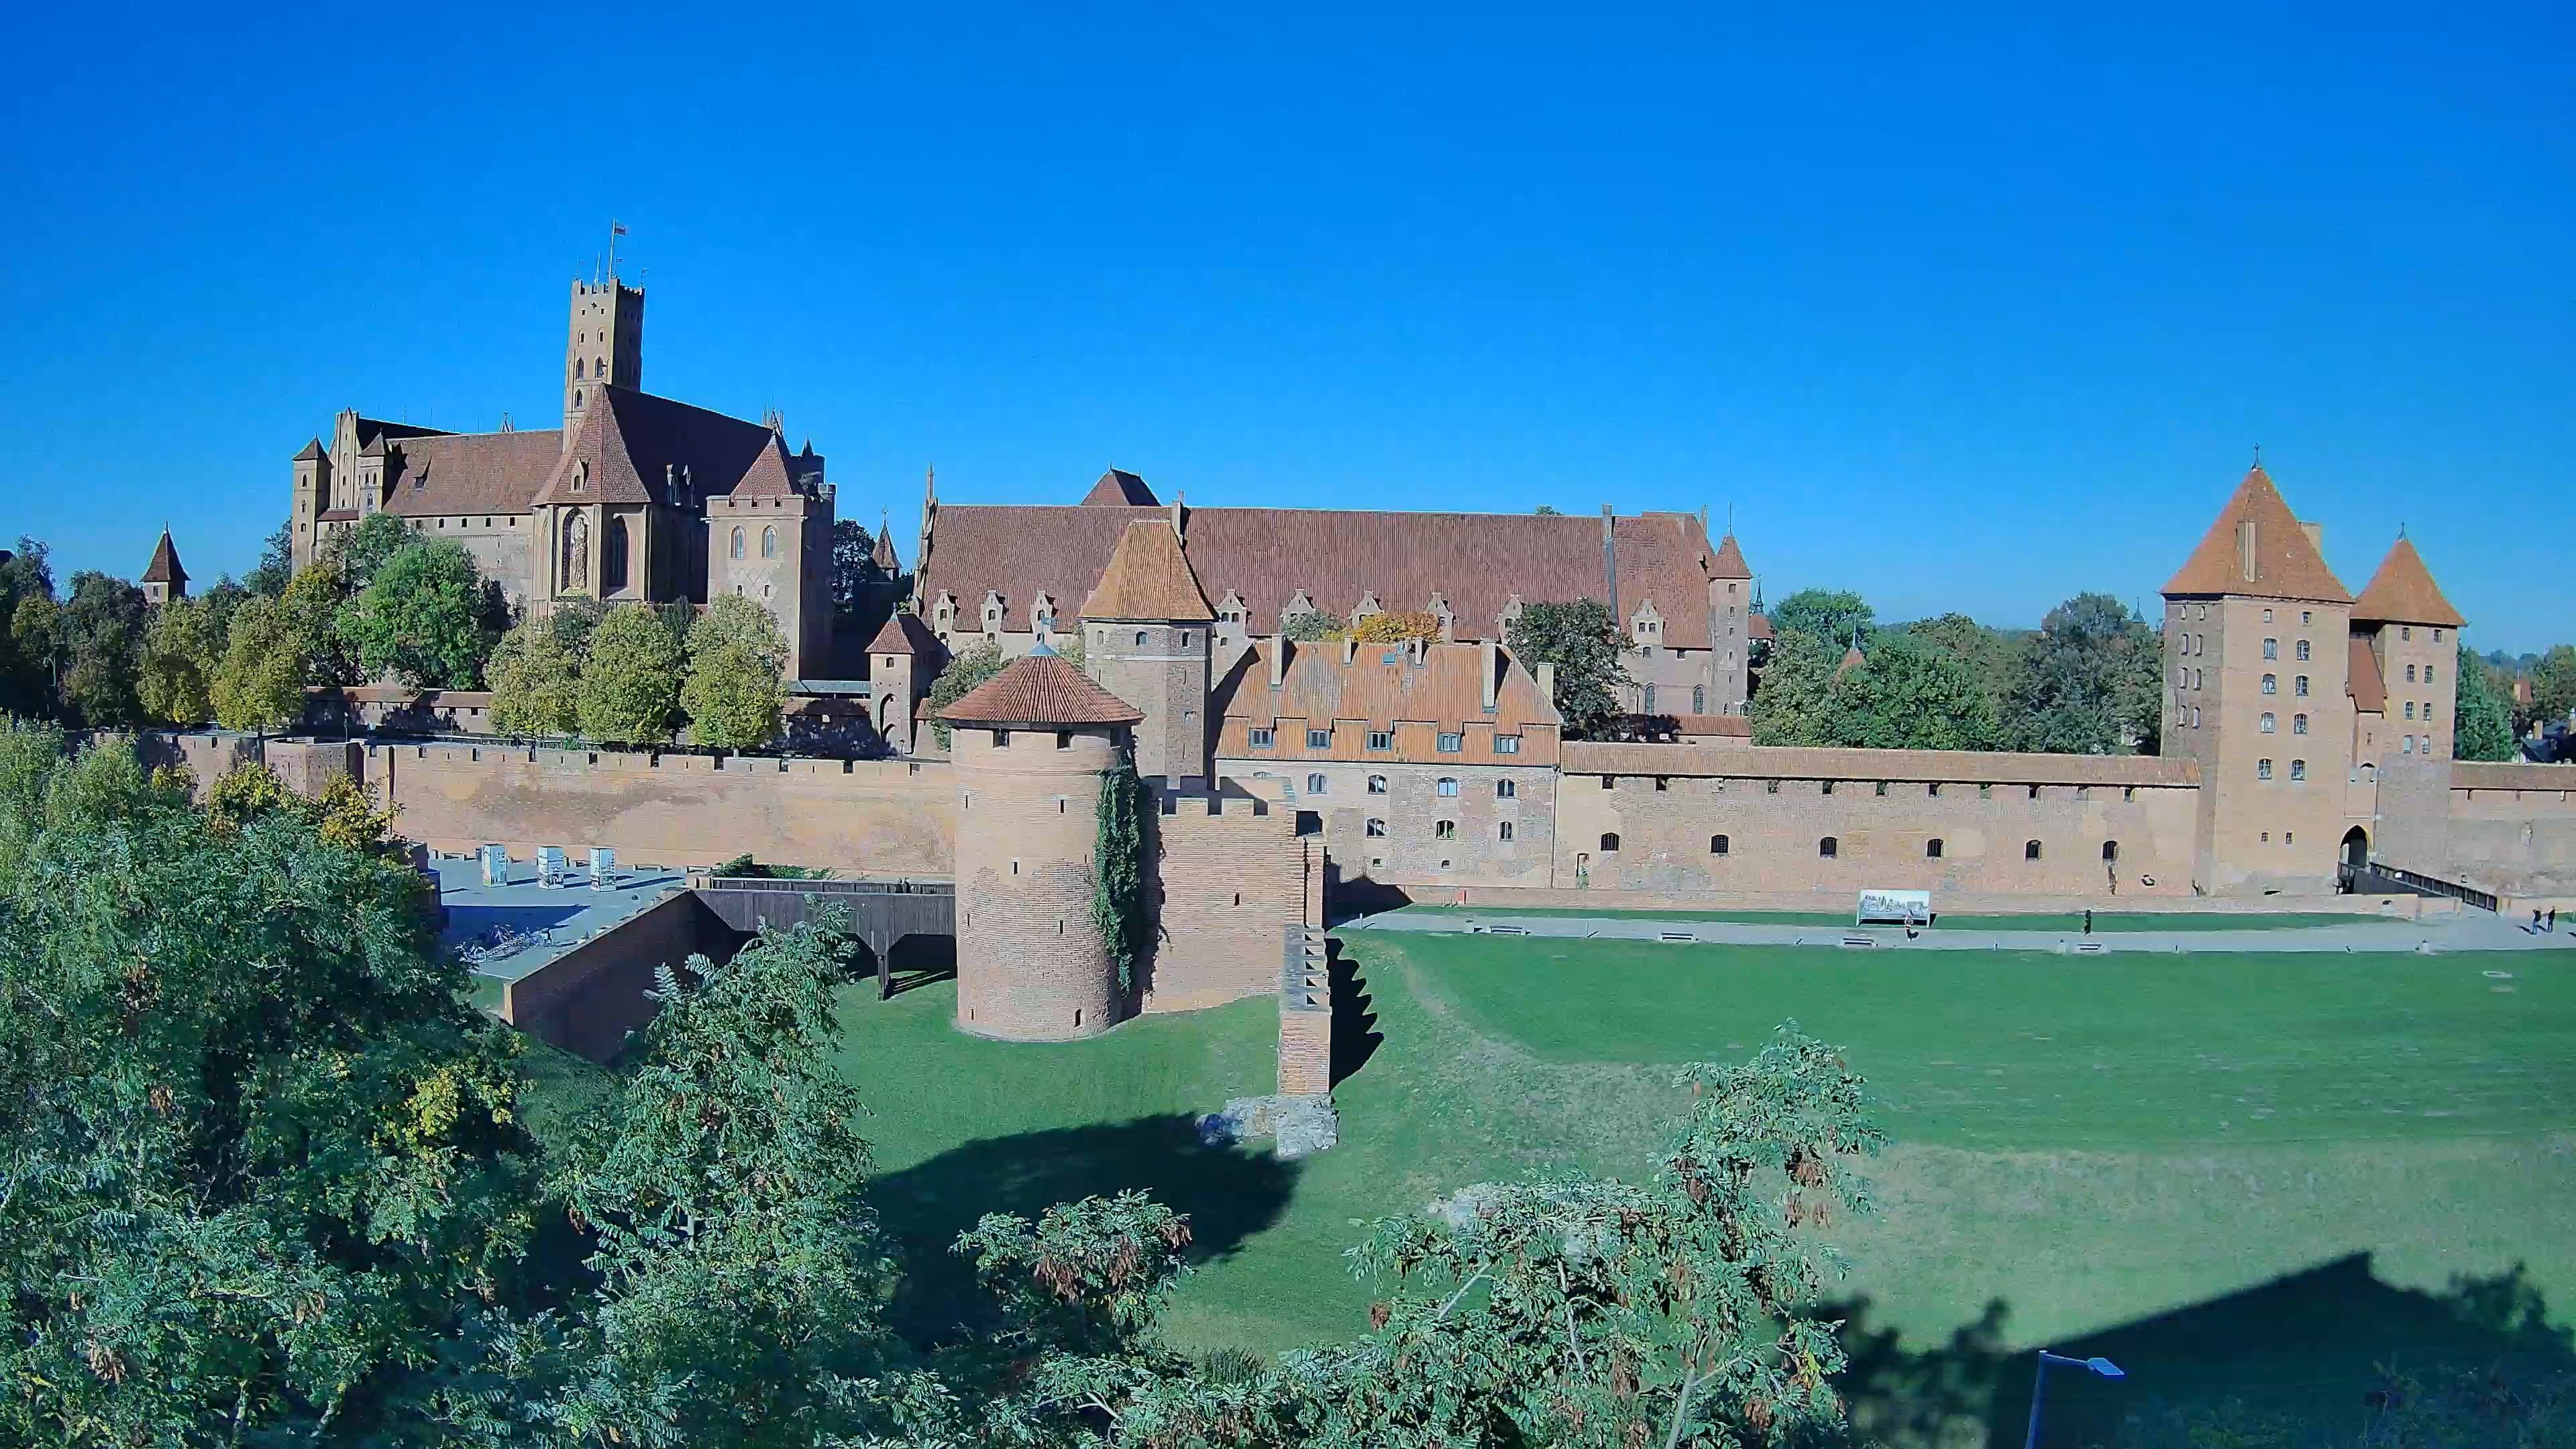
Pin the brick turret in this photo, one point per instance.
(1147, 630)
(1030, 748)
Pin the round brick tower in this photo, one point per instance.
(1030, 748)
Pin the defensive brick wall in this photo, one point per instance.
(872, 817)
(587, 999)
(1232, 873)
(1649, 818)
(2513, 830)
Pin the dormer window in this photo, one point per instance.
(581, 476)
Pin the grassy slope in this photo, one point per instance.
(2062, 1154)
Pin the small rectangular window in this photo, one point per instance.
(1507, 744)
(1319, 739)
(1064, 739)
(1381, 739)
(1444, 829)
(1452, 744)
(1261, 738)
(1503, 831)
(1507, 790)
(1001, 739)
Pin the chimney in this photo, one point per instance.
(2316, 533)
(1278, 659)
(2245, 549)
(1547, 679)
(1178, 524)
(1485, 670)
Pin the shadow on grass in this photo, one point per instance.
(1229, 1193)
(1355, 1034)
(2312, 1347)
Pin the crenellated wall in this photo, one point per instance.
(1231, 871)
(870, 817)
(1649, 818)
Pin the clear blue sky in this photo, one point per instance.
(1969, 312)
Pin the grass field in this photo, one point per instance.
(2102, 920)
(2256, 1175)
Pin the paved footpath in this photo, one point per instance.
(2468, 931)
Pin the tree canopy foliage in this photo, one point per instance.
(535, 680)
(2482, 721)
(1833, 615)
(630, 679)
(964, 671)
(734, 691)
(2090, 682)
(1584, 642)
(425, 616)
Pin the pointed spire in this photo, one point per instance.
(2403, 592)
(2256, 548)
(1149, 578)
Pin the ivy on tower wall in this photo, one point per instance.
(1118, 898)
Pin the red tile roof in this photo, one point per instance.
(1120, 488)
(461, 473)
(1714, 726)
(1148, 578)
(1477, 562)
(905, 634)
(1729, 562)
(164, 568)
(1384, 686)
(630, 439)
(2285, 565)
(1040, 689)
(2403, 592)
(2362, 679)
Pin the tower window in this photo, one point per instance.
(733, 548)
(2298, 724)
(2300, 689)
(2262, 769)
(2298, 769)
(769, 543)
(1610, 842)
(2110, 850)
(2271, 648)
(1140, 638)
(2267, 722)
(1445, 787)
(2030, 850)
(1315, 784)
(2271, 684)
(1444, 829)
(2303, 650)
(1377, 784)
(1376, 829)
(1829, 848)
(1507, 789)
(1932, 848)
(2410, 709)
(1503, 831)
(2410, 674)
(1718, 845)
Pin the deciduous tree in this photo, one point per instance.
(630, 680)
(735, 689)
(1832, 615)
(424, 617)
(1795, 703)
(964, 671)
(102, 626)
(2482, 724)
(535, 680)
(2090, 682)
(260, 685)
(1583, 641)
(182, 650)
(2553, 683)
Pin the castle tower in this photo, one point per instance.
(2412, 633)
(603, 346)
(163, 579)
(312, 500)
(2257, 690)
(1146, 631)
(1730, 628)
(770, 539)
(1030, 748)
(903, 659)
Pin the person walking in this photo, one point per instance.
(2088, 920)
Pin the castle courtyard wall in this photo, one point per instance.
(1231, 875)
(1665, 803)
(2513, 830)
(1412, 852)
(868, 817)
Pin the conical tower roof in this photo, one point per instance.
(1149, 578)
(1729, 562)
(164, 568)
(2256, 549)
(2403, 592)
(1040, 688)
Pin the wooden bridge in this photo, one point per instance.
(879, 912)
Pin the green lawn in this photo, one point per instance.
(2236, 1174)
(2102, 920)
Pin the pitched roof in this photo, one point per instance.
(1477, 562)
(1755, 762)
(1729, 562)
(2362, 679)
(2403, 592)
(463, 473)
(882, 553)
(631, 439)
(1149, 578)
(1121, 488)
(1040, 689)
(1383, 685)
(904, 634)
(309, 451)
(164, 568)
(1758, 627)
(2256, 549)
(1714, 726)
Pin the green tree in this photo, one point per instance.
(1397, 627)
(2482, 723)
(854, 564)
(1585, 644)
(36, 641)
(1794, 704)
(536, 685)
(101, 628)
(630, 681)
(736, 688)
(1546, 511)
(1833, 615)
(1307, 626)
(361, 551)
(309, 614)
(2089, 683)
(26, 654)
(963, 672)
(2553, 683)
(424, 617)
(1911, 695)
(276, 565)
(259, 1149)
(182, 650)
(259, 687)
